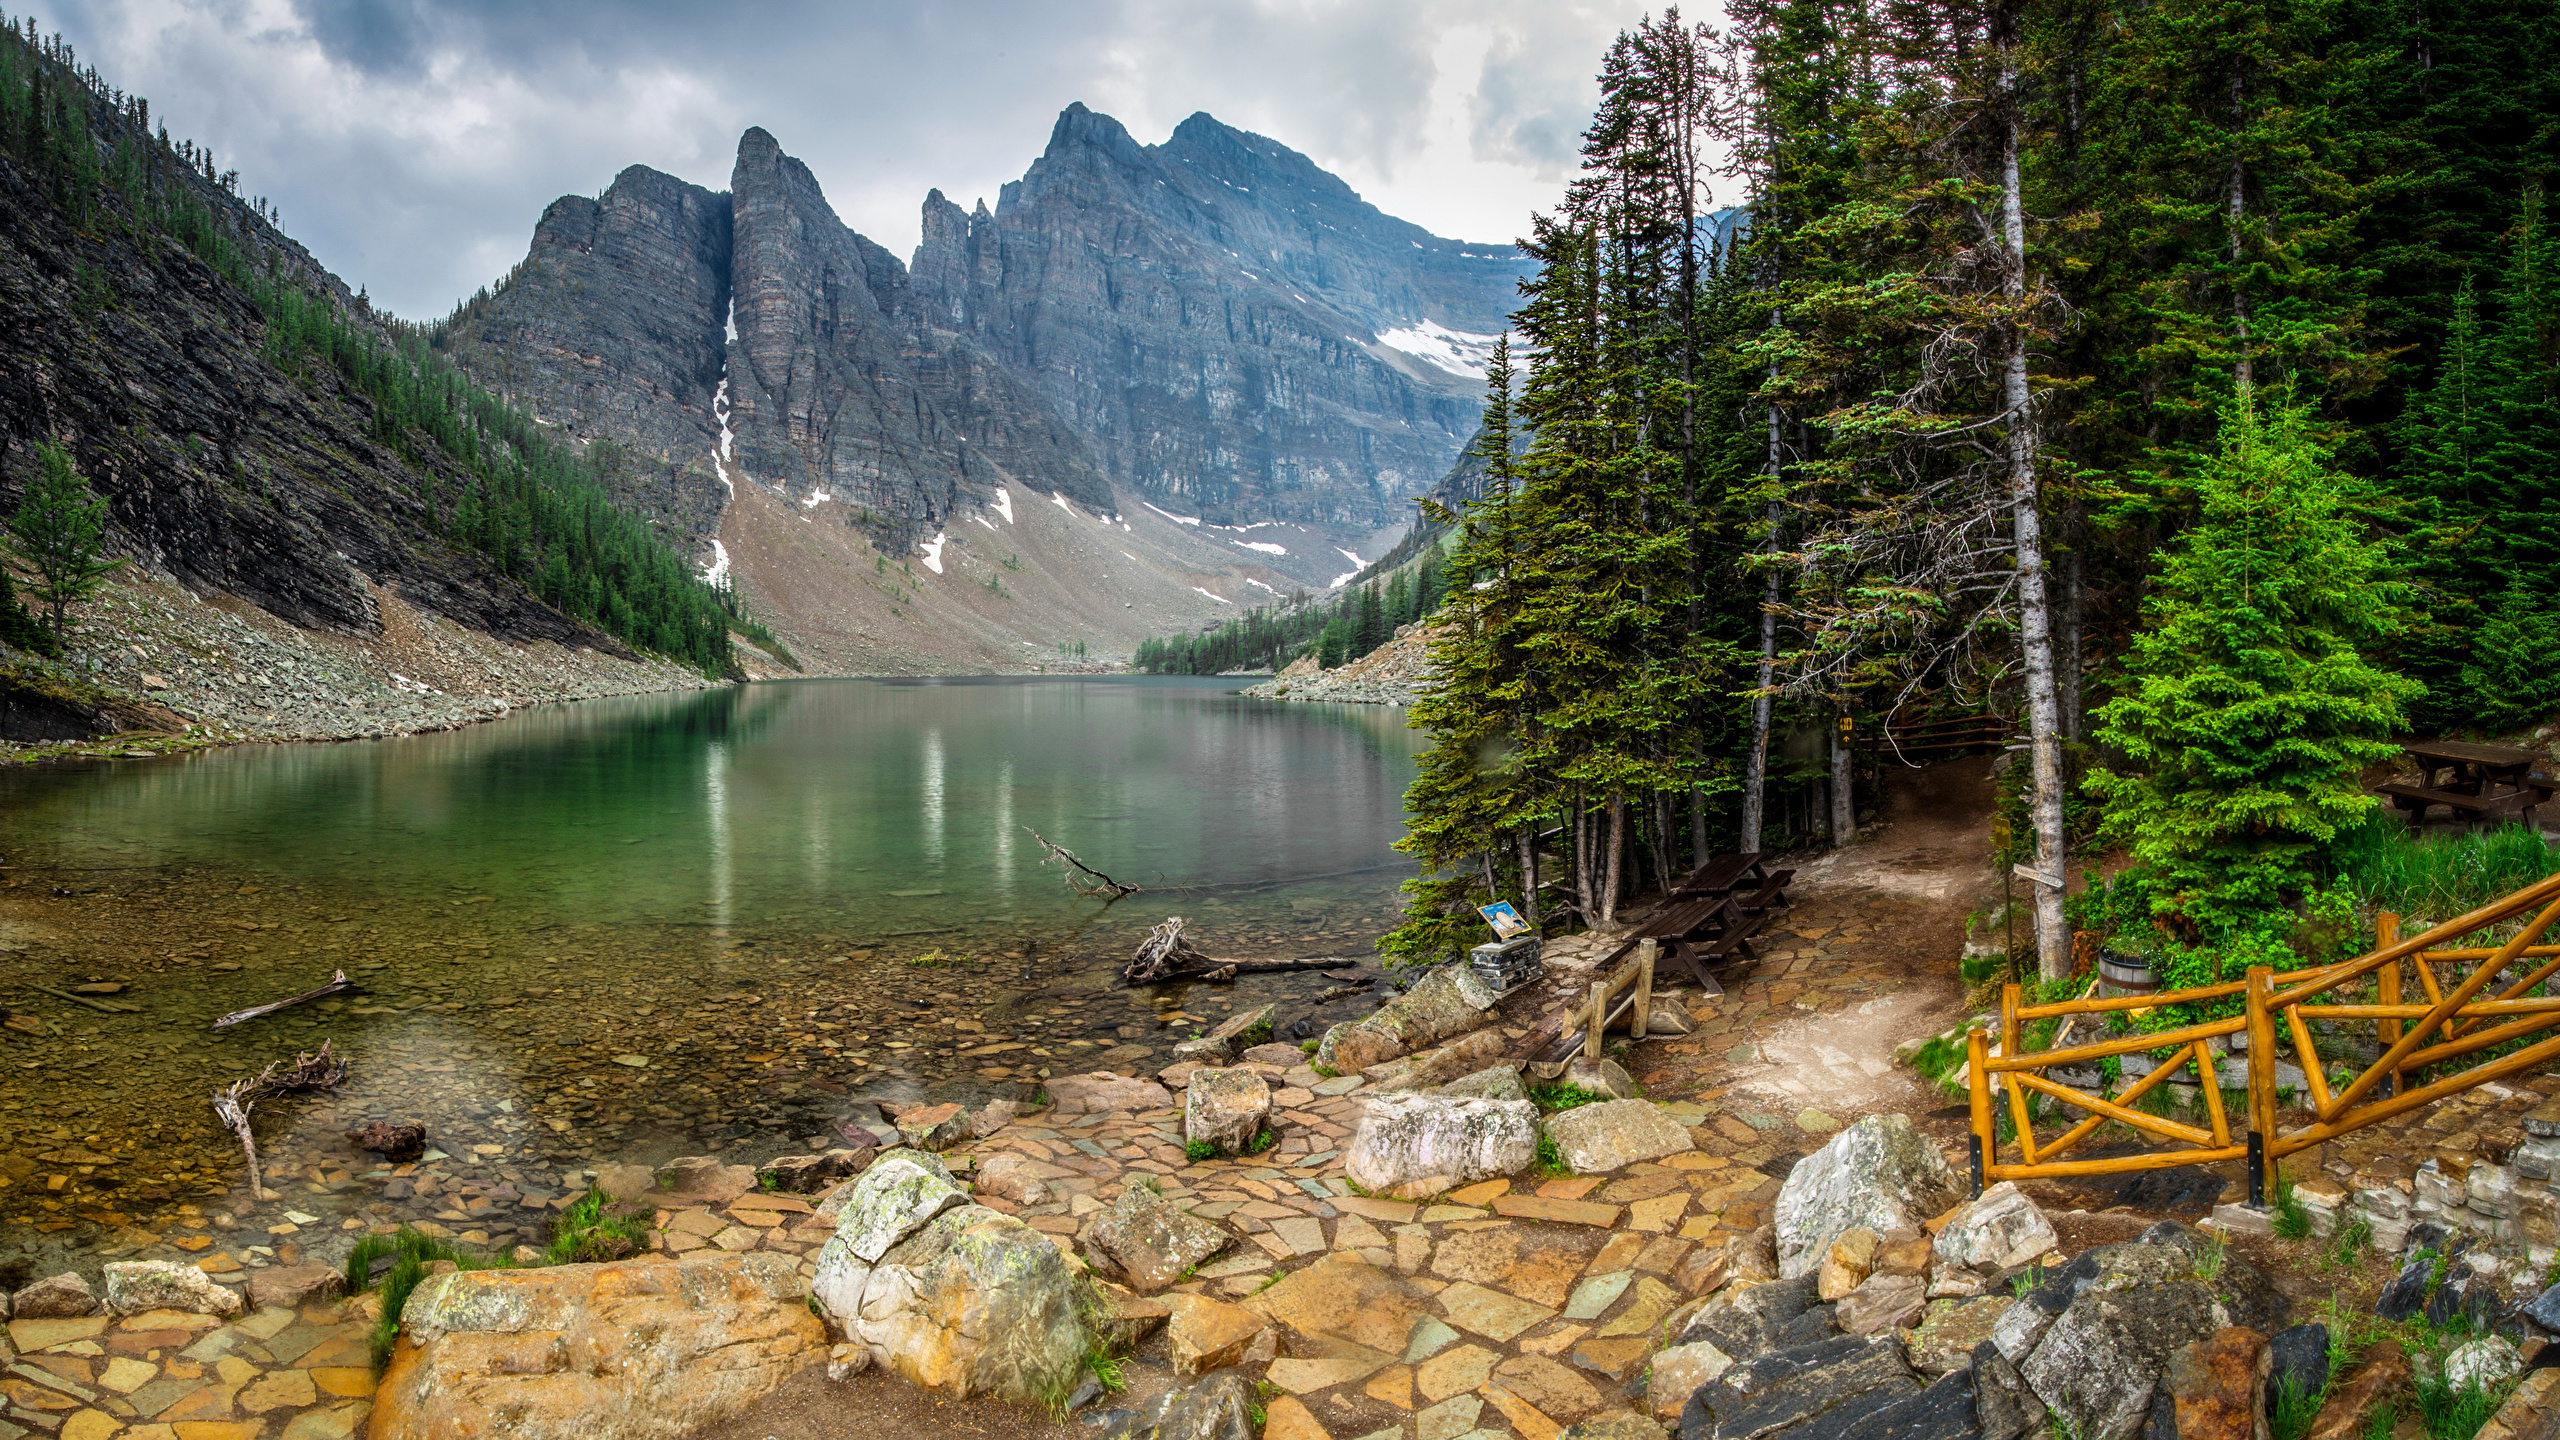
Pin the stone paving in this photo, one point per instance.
(276, 1373)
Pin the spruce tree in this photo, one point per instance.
(2249, 708)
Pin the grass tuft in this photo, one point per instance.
(1198, 1150)
(1564, 1095)
(412, 1258)
(597, 1228)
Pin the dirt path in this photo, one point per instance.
(1866, 959)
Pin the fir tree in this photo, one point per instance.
(60, 533)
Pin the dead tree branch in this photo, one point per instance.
(1109, 888)
(1165, 954)
(234, 1104)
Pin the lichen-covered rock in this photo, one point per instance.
(1880, 1173)
(897, 1196)
(59, 1297)
(2480, 1363)
(134, 1286)
(1494, 1082)
(1102, 1092)
(652, 1349)
(1353, 1046)
(1595, 1139)
(1246, 1028)
(977, 1303)
(1999, 1231)
(1949, 1329)
(1145, 1243)
(1679, 1371)
(1415, 1146)
(2129, 1309)
(1227, 1108)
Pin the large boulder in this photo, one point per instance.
(1228, 1109)
(652, 1349)
(703, 1180)
(1354, 1046)
(1594, 1139)
(134, 1286)
(1880, 1173)
(974, 1303)
(1999, 1231)
(1416, 1146)
(1011, 1177)
(1145, 1243)
(1103, 1093)
(2217, 1386)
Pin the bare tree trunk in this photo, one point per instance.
(1844, 800)
(1582, 896)
(2243, 372)
(1529, 872)
(2035, 618)
(1697, 822)
(2074, 606)
(1755, 763)
(1617, 849)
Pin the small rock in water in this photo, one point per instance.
(398, 1144)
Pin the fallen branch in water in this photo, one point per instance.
(337, 983)
(310, 1072)
(1109, 887)
(107, 1007)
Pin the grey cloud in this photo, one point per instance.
(412, 143)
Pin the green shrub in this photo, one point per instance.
(1198, 1150)
(597, 1228)
(1564, 1095)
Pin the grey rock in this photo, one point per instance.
(808, 1174)
(2000, 1229)
(1603, 1076)
(1947, 1410)
(1880, 1173)
(2542, 1310)
(1427, 1068)
(1881, 1303)
(1145, 1243)
(1595, 1139)
(2482, 1363)
(1246, 1028)
(976, 1303)
(1103, 1092)
(2098, 1362)
(1745, 1323)
(901, 1191)
(58, 1297)
(1218, 1406)
(134, 1286)
(2005, 1407)
(1496, 1082)
(2298, 1362)
(1838, 1381)
(1227, 1108)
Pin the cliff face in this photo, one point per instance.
(219, 469)
(613, 326)
(840, 390)
(1231, 329)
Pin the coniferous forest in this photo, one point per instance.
(534, 509)
(2180, 381)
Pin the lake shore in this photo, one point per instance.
(178, 672)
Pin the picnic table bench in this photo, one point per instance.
(2478, 782)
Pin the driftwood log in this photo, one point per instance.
(233, 1105)
(338, 984)
(1166, 955)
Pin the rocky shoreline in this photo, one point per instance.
(1395, 673)
(157, 667)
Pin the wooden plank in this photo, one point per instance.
(2118, 1164)
(2165, 1129)
(2465, 752)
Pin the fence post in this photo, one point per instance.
(2009, 1050)
(1599, 1012)
(2262, 1072)
(1977, 1056)
(2386, 933)
(1646, 950)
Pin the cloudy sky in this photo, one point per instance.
(412, 143)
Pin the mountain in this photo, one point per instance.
(1210, 345)
(1232, 329)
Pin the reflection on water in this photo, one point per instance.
(659, 923)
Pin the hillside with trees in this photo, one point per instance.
(2182, 380)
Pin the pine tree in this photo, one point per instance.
(60, 533)
(2249, 708)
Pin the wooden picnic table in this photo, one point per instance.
(2474, 767)
(2482, 784)
(1720, 875)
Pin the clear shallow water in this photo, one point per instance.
(637, 928)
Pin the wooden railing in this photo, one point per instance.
(2457, 1020)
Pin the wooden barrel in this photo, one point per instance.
(2124, 975)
